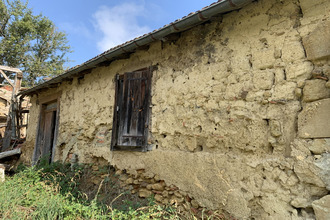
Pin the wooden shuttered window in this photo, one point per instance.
(131, 112)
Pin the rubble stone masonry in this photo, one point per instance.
(240, 114)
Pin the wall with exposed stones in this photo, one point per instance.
(240, 114)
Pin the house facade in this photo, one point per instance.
(231, 113)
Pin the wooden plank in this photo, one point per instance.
(132, 118)
(12, 119)
(114, 136)
(25, 111)
(57, 121)
(10, 69)
(6, 77)
(20, 118)
(18, 82)
(125, 112)
(10, 153)
(134, 109)
(48, 137)
(42, 139)
(122, 110)
(7, 138)
(18, 130)
(146, 106)
(38, 142)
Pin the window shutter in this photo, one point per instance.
(132, 116)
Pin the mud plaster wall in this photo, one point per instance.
(226, 101)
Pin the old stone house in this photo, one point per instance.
(226, 108)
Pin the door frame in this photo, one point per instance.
(42, 102)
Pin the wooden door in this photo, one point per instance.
(46, 133)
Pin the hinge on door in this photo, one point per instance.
(117, 108)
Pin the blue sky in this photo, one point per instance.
(93, 26)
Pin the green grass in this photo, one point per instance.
(60, 191)
(52, 192)
(26, 196)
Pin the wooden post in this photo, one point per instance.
(14, 113)
(11, 129)
(2, 173)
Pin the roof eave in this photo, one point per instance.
(177, 26)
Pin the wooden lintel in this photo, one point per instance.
(10, 69)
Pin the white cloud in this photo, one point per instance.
(119, 24)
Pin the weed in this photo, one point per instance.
(26, 196)
(61, 191)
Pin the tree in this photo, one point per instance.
(30, 42)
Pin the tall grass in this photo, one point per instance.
(26, 196)
(52, 192)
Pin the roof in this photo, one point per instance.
(191, 20)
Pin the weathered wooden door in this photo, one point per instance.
(132, 110)
(47, 131)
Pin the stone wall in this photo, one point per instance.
(240, 113)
